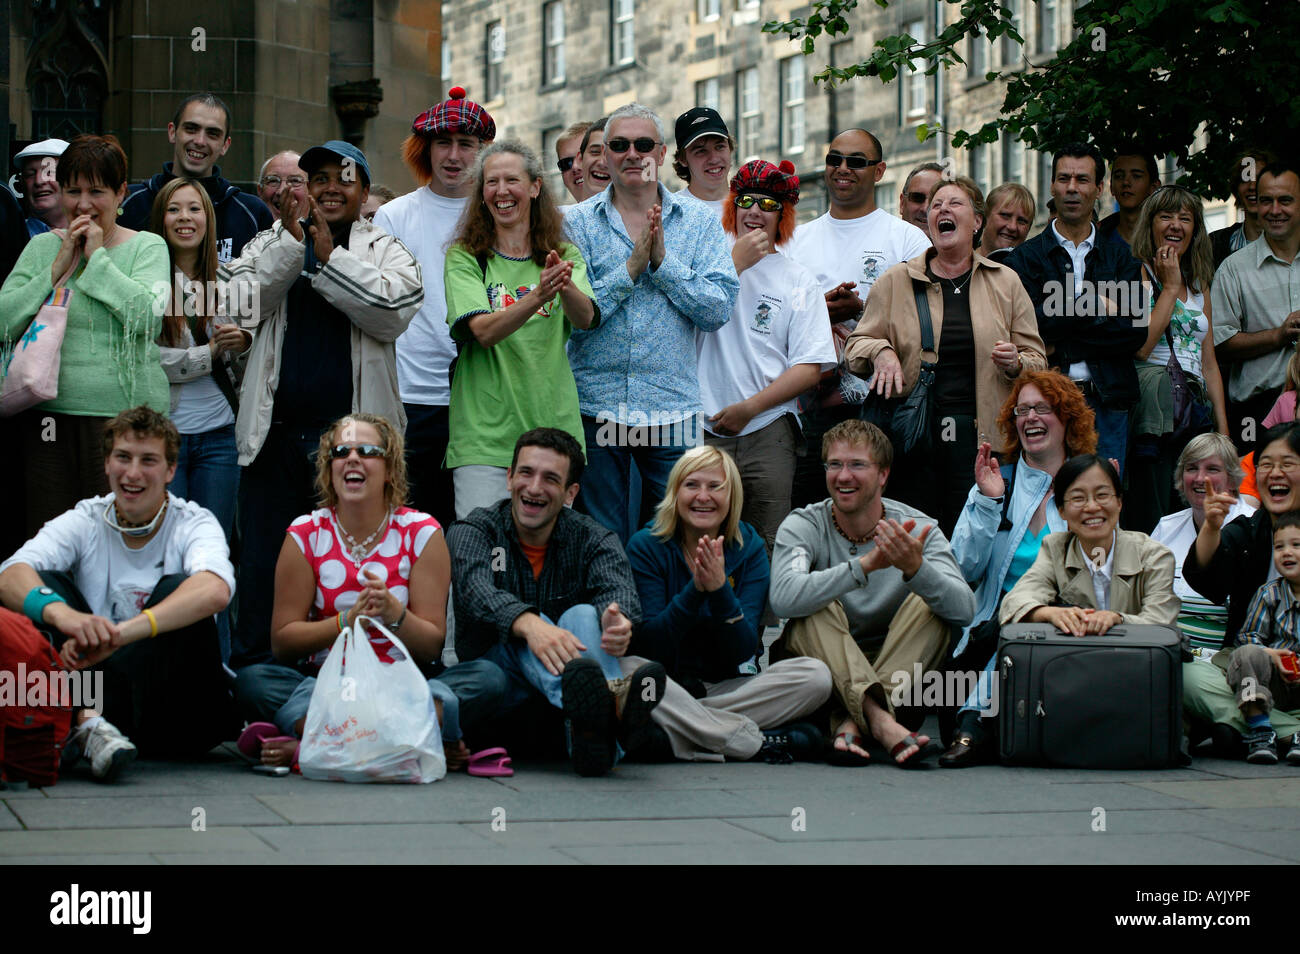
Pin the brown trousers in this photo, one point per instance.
(915, 635)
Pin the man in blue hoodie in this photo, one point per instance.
(200, 135)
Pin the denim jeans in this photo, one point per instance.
(207, 472)
(470, 692)
(1112, 430)
(525, 673)
(615, 455)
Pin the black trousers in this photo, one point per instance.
(167, 694)
(432, 489)
(274, 490)
(938, 482)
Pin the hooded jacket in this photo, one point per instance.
(240, 215)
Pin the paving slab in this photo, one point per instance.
(8, 820)
(441, 858)
(123, 810)
(1232, 793)
(127, 841)
(63, 860)
(629, 834)
(367, 840)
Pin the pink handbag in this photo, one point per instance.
(32, 375)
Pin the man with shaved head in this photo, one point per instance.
(848, 248)
(278, 173)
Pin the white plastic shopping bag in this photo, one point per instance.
(371, 722)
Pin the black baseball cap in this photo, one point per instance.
(697, 122)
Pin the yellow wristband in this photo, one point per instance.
(153, 623)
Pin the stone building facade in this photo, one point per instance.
(294, 72)
(543, 65)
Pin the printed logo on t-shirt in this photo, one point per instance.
(873, 264)
(764, 312)
(499, 299)
(126, 601)
(225, 249)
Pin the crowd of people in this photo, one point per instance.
(579, 457)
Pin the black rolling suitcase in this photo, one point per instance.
(1112, 701)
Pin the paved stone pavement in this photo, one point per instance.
(1216, 812)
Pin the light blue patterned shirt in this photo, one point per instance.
(640, 360)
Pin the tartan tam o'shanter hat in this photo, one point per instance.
(456, 114)
(762, 178)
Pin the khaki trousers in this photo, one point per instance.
(915, 635)
(728, 722)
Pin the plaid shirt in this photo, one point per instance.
(493, 583)
(1273, 618)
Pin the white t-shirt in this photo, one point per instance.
(116, 580)
(200, 405)
(779, 320)
(1188, 326)
(855, 250)
(426, 224)
(714, 204)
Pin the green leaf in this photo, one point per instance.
(922, 132)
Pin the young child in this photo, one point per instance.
(1284, 407)
(1266, 644)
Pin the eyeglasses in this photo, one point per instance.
(643, 144)
(275, 181)
(1042, 410)
(565, 164)
(1287, 465)
(854, 466)
(833, 159)
(1080, 499)
(764, 202)
(340, 451)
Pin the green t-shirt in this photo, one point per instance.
(521, 382)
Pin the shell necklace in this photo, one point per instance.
(358, 550)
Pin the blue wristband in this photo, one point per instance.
(37, 598)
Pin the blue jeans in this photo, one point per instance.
(470, 692)
(525, 673)
(615, 456)
(1112, 430)
(207, 472)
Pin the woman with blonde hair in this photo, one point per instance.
(702, 575)
(363, 553)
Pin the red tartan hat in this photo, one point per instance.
(456, 115)
(762, 178)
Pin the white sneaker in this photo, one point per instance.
(108, 750)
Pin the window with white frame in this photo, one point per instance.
(622, 36)
(446, 62)
(553, 40)
(1044, 178)
(979, 167)
(747, 106)
(792, 115)
(1047, 17)
(977, 57)
(554, 180)
(707, 93)
(915, 84)
(495, 56)
(708, 9)
(1013, 159)
(1011, 50)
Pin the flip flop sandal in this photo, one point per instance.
(490, 763)
(254, 734)
(925, 750)
(845, 757)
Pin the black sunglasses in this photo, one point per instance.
(565, 164)
(643, 144)
(765, 203)
(833, 159)
(340, 451)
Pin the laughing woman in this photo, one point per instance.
(1094, 576)
(515, 289)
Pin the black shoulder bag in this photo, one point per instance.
(907, 420)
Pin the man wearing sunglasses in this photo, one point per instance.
(912, 206)
(848, 248)
(661, 269)
(566, 154)
(335, 293)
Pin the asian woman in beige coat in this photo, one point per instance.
(1094, 576)
(985, 334)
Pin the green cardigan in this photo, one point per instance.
(109, 361)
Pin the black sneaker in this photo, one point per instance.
(1293, 753)
(796, 742)
(635, 696)
(1261, 746)
(589, 709)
